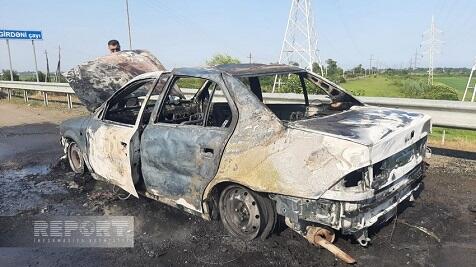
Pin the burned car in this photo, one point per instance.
(213, 142)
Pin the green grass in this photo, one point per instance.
(383, 86)
(453, 134)
(454, 139)
(373, 86)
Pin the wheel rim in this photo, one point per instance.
(75, 160)
(241, 212)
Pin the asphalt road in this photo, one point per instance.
(32, 182)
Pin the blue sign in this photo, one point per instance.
(23, 35)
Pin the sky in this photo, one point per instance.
(187, 32)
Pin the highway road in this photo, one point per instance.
(32, 182)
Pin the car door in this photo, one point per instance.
(181, 147)
(113, 137)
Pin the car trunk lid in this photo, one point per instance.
(366, 125)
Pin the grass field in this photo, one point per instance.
(454, 138)
(373, 86)
(383, 86)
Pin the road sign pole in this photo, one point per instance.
(10, 60)
(36, 63)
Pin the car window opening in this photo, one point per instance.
(125, 107)
(314, 97)
(207, 107)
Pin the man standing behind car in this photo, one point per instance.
(113, 46)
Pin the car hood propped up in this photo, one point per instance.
(95, 81)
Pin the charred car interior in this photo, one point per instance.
(303, 84)
(212, 142)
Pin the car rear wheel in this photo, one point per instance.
(75, 158)
(246, 214)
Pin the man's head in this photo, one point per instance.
(113, 46)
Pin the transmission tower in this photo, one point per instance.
(468, 85)
(300, 39)
(431, 44)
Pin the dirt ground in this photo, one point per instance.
(33, 182)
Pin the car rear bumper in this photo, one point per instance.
(351, 217)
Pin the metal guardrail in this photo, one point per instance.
(452, 114)
(41, 87)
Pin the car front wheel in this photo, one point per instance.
(75, 158)
(246, 214)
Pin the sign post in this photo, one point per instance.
(10, 60)
(36, 63)
(21, 35)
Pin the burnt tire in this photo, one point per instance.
(245, 213)
(75, 158)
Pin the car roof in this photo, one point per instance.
(147, 75)
(244, 70)
(239, 70)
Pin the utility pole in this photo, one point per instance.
(250, 57)
(58, 66)
(128, 25)
(432, 44)
(47, 67)
(370, 64)
(415, 60)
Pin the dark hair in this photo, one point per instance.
(113, 42)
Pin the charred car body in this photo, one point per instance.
(210, 141)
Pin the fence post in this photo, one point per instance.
(25, 96)
(9, 94)
(70, 103)
(443, 135)
(45, 98)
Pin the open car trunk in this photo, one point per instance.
(95, 81)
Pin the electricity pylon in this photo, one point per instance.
(300, 39)
(468, 85)
(431, 43)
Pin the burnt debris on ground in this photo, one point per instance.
(168, 236)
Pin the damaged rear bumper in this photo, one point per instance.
(351, 217)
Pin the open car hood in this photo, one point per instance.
(366, 125)
(95, 81)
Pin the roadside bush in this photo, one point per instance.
(5, 75)
(290, 84)
(414, 88)
(441, 92)
(356, 92)
(341, 80)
